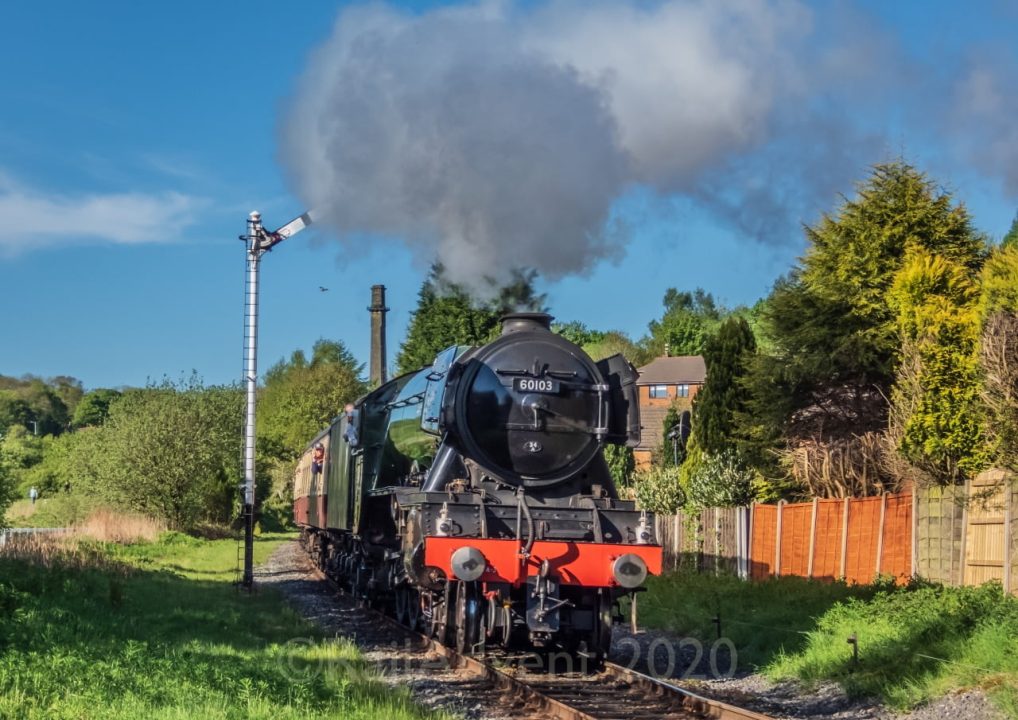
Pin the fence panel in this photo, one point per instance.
(985, 529)
(827, 543)
(796, 525)
(864, 526)
(896, 548)
(939, 532)
(763, 541)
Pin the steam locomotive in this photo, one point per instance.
(472, 499)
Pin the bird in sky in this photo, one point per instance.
(323, 289)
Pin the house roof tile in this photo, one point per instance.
(678, 369)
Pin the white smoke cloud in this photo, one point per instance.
(34, 219)
(983, 112)
(495, 137)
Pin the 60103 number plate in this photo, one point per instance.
(538, 385)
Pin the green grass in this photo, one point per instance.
(157, 631)
(915, 643)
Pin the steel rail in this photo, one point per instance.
(540, 701)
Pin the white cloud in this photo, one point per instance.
(31, 219)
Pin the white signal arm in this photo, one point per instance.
(268, 240)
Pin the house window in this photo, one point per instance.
(683, 391)
(659, 391)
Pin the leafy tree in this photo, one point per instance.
(998, 353)
(721, 480)
(21, 449)
(171, 451)
(578, 333)
(835, 335)
(13, 411)
(689, 319)
(616, 342)
(69, 390)
(658, 490)
(724, 396)
(621, 464)
(7, 494)
(94, 407)
(1010, 240)
(300, 397)
(937, 393)
(447, 315)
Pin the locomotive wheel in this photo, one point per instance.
(413, 609)
(599, 640)
(402, 601)
(441, 615)
(469, 618)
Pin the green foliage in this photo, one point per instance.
(764, 619)
(447, 315)
(21, 449)
(905, 636)
(657, 489)
(720, 480)
(169, 451)
(94, 407)
(672, 452)
(42, 405)
(689, 319)
(615, 342)
(8, 494)
(13, 412)
(158, 631)
(999, 282)
(915, 642)
(835, 334)
(578, 333)
(300, 398)
(724, 395)
(1010, 240)
(621, 464)
(937, 393)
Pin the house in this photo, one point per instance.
(662, 383)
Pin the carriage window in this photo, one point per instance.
(659, 391)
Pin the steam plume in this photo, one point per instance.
(494, 137)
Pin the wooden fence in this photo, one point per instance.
(962, 535)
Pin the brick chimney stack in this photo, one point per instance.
(377, 310)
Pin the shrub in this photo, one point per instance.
(658, 490)
(720, 480)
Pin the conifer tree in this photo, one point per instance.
(723, 396)
(835, 335)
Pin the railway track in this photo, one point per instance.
(614, 693)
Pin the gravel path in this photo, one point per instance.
(433, 684)
(388, 651)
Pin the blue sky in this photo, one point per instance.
(136, 137)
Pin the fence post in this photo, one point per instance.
(964, 532)
(1008, 496)
(915, 530)
(749, 554)
(844, 539)
(676, 538)
(777, 542)
(812, 538)
(742, 542)
(880, 530)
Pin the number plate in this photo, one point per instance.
(536, 385)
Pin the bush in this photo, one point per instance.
(720, 480)
(658, 490)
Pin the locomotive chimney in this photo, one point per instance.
(377, 310)
(525, 321)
